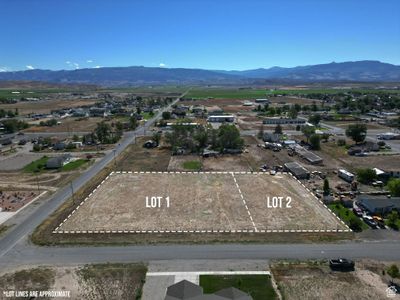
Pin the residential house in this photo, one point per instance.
(283, 121)
(58, 161)
(185, 290)
(221, 119)
(378, 204)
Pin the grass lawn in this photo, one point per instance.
(74, 164)
(345, 214)
(146, 115)
(37, 165)
(192, 165)
(257, 286)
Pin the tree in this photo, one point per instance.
(393, 271)
(366, 176)
(293, 113)
(315, 142)
(75, 138)
(166, 115)
(394, 187)
(393, 219)
(201, 137)
(157, 137)
(229, 137)
(308, 131)
(133, 123)
(327, 189)
(314, 119)
(278, 129)
(138, 110)
(357, 132)
(355, 224)
(13, 125)
(298, 127)
(103, 132)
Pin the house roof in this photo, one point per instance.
(233, 293)
(373, 202)
(184, 290)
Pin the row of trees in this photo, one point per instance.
(195, 139)
(8, 113)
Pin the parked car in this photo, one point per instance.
(272, 172)
(370, 222)
(341, 264)
(358, 211)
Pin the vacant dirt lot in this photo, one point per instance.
(305, 212)
(199, 201)
(69, 125)
(307, 281)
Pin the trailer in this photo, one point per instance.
(345, 175)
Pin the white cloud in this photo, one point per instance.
(76, 65)
(4, 69)
(97, 67)
(68, 62)
(29, 67)
(89, 61)
(162, 65)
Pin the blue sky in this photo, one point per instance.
(207, 34)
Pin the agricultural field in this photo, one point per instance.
(209, 202)
(45, 106)
(237, 93)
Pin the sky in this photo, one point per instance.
(208, 34)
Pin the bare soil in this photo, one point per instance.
(317, 281)
(199, 202)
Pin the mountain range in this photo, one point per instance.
(358, 71)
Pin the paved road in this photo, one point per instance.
(32, 255)
(21, 230)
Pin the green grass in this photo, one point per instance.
(259, 287)
(146, 115)
(345, 214)
(74, 164)
(260, 93)
(37, 165)
(192, 165)
(397, 223)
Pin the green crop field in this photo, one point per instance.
(260, 93)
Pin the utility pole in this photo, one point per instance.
(37, 181)
(72, 190)
(115, 162)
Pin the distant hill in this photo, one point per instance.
(122, 76)
(352, 71)
(365, 71)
